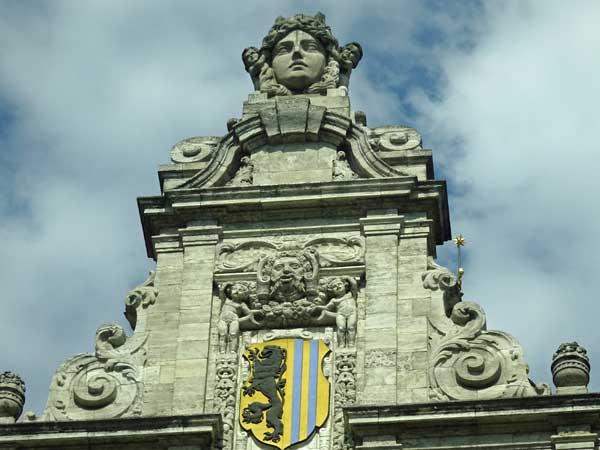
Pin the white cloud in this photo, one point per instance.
(100, 91)
(522, 105)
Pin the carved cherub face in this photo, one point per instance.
(298, 60)
(337, 287)
(250, 56)
(287, 269)
(239, 292)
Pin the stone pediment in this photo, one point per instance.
(296, 139)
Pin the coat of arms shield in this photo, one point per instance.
(286, 395)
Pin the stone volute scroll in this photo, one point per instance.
(467, 361)
(109, 382)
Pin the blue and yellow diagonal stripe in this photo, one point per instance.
(306, 392)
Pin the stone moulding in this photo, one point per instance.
(269, 127)
(466, 360)
(333, 252)
(176, 209)
(107, 383)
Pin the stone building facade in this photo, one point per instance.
(296, 301)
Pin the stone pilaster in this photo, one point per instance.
(413, 308)
(199, 241)
(379, 379)
(163, 324)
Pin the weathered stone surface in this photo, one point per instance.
(12, 397)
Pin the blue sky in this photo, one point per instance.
(94, 93)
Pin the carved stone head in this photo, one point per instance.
(238, 292)
(285, 275)
(300, 55)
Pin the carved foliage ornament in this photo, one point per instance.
(344, 394)
(469, 362)
(225, 394)
(333, 252)
(300, 55)
(107, 383)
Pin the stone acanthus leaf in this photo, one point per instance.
(438, 277)
(333, 252)
(138, 300)
(107, 383)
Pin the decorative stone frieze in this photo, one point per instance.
(333, 252)
(570, 368)
(12, 397)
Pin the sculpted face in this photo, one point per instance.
(287, 269)
(239, 293)
(337, 287)
(298, 61)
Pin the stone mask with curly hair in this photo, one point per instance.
(300, 55)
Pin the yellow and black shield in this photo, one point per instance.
(286, 396)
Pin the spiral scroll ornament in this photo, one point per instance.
(472, 363)
(106, 384)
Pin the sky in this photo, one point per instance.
(94, 93)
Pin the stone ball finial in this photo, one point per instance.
(570, 369)
(12, 397)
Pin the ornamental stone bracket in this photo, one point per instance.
(468, 362)
(109, 382)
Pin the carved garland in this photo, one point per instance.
(225, 394)
(344, 394)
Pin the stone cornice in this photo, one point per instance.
(477, 417)
(176, 210)
(205, 430)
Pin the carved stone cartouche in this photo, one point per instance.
(12, 397)
(570, 369)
